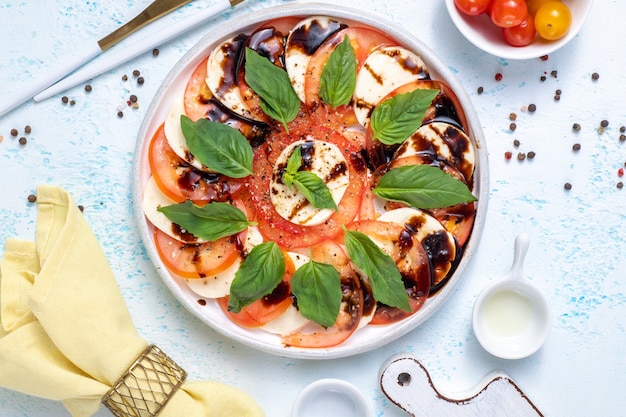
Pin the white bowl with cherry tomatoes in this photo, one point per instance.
(519, 29)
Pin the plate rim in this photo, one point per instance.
(434, 64)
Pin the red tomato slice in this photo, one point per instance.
(363, 41)
(196, 260)
(197, 93)
(266, 309)
(271, 224)
(180, 181)
(411, 259)
(458, 220)
(347, 321)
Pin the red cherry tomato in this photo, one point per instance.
(522, 34)
(508, 13)
(472, 7)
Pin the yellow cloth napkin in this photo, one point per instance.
(66, 332)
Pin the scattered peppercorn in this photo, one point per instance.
(576, 127)
(543, 57)
(620, 172)
(516, 143)
(595, 76)
(604, 123)
(521, 156)
(88, 88)
(81, 208)
(512, 126)
(553, 73)
(23, 140)
(64, 99)
(480, 90)
(140, 80)
(124, 77)
(512, 116)
(531, 155)
(120, 114)
(622, 138)
(532, 108)
(498, 76)
(136, 73)
(155, 52)
(72, 102)
(600, 130)
(567, 186)
(14, 132)
(622, 129)
(542, 78)
(133, 98)
(32, 198)
(620, 185)
(557, 97)
(508, 155)
(576, 147)
(27, 129)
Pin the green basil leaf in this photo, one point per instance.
(397, 118)
(310, 185)
(278, 98)
(382, 271)
(317, 287)
(209, 222)
(220, 147)
(258, 275)
(338, 78)
(423, 186)
(293, 165)
(314, 190)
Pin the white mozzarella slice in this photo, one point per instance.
(221, 84)
(439, 137)
(153, 198)
(174, 134)
(439, 244)
(218, 285)
(291, 320)
(383, 71)
(296, 58)
(328, 163)
(420, 222)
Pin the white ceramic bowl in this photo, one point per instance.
(483, 34)
(330, 397)
(364, 339)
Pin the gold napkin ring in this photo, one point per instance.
(147, 385)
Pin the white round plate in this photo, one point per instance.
(369, 337)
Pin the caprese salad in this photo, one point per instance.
(312, 179)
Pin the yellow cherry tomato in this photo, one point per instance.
(533, 5)
(553, 20)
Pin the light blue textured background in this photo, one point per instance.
(578, 237)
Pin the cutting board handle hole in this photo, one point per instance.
(404, 378)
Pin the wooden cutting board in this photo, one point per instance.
(406, 382)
